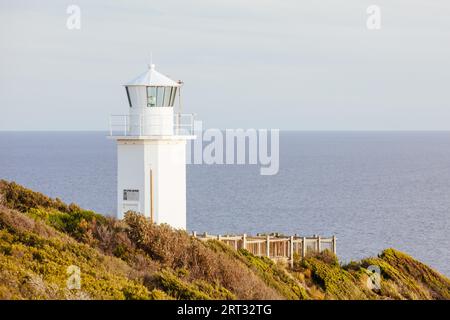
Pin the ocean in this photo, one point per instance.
(373, 190)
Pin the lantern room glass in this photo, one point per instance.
(172, 96)
(161, 96)
(167, 92)
(151, 97)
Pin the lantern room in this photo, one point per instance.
(152, 89)
(151, 98)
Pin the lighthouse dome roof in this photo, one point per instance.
(153, 78)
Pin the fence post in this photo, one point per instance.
(244, 241)
(291, 251)
(334, 244)
(205, 234)
(218, 237)
(304, 247)
(194, 234)
(318, 244)
(268, 246)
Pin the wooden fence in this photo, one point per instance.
(274, 246)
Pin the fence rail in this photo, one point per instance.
(275, 246)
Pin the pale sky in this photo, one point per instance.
(301, 65)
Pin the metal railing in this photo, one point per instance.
(147, 125)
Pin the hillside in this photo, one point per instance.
(41, 237)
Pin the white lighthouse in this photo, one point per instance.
(151, 150)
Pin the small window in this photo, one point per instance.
(128, 95)
(130, 195)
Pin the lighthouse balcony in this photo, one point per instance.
(155, 125)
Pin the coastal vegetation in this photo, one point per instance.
(40, 238)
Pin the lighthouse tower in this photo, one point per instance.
(151, 150)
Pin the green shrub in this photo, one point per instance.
(275, 276)
(335, 281)
(178, 288)
(17, 197)
(157, 294)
